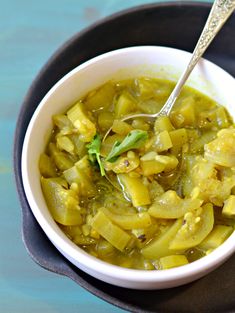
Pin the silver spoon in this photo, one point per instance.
(220, 12)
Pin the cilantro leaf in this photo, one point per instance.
(94, 152)
(133, 140)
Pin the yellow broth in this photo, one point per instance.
(152, 195)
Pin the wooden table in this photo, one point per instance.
(30, 32)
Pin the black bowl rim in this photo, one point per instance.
(18, 144)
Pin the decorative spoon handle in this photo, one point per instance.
(220, 12)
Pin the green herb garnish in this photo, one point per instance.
(133, 140)
(94, 152)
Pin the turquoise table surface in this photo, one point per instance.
(30, 31)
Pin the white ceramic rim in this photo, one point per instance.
(89, 263)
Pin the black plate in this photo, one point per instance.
(170, 24)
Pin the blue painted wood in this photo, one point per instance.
(30, 32)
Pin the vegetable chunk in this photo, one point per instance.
(163, 141)
(130, 221)
(160, 247)
(222, 150)
(172, 261)
(197, 225)
(218, 235)
(229, 207)
(112, 233)
(81, 122)
(170, 205)
(100, 98)
(135, 189)
(62, 203)
(125, 104)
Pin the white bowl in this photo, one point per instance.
(150, 61)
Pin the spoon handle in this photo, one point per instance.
(220, 12)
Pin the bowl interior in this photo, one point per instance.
(149, 61)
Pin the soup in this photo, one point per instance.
(152, 195)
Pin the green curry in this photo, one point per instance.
(152, 195)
